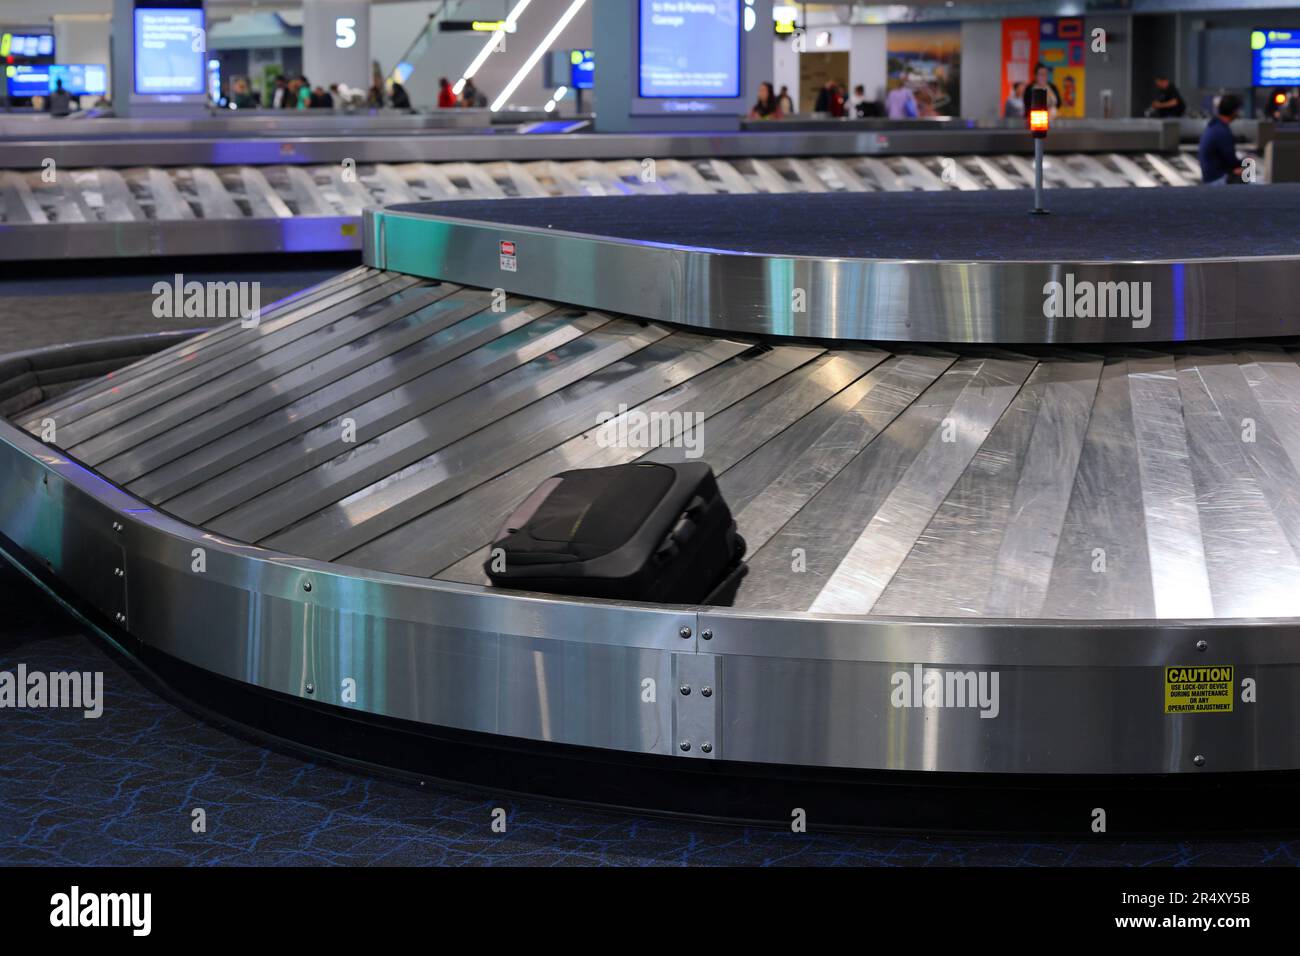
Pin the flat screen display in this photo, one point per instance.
(79, 79)
(582, 69)
(27, 81)
(27, 44)
(1275, 57)
(689, 49)
(169, 50)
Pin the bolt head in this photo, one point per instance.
(685, 745)
(686, 690)
(310, 688)
(706, 691)
(1199, 760)
(707, 634)
(707, 747)
(685, 633)
(306, 585)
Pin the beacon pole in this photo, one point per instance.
(1039, 120)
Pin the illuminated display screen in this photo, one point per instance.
(79, 79)
(1275, 57)
(27, 44)
(169, 50)
(582, 69)
(689, 48)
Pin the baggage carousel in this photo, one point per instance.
(1003, 568)
(112, 189)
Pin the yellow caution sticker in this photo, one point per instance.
(1199, 690)
(348, 229)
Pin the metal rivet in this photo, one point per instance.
(707, 634)
(685, 745)
(306, 585)
(311, 688)
(118, 572)
(120, 617)
(707, 747)
(117, 526)
(685, 633)
(1202, 645)
(706, 690)
(1199, 760)
(686, 690)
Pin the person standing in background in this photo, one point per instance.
(1042, 81)
(766, 107)
(279, 93)
(1168, 101)
(241, 98)
(1218, 149)
(1014, 107)
(784, 101)
(446, 95)
(900, 102)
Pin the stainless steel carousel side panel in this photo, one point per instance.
(185, 237)
(1038, 698)
(861, 299)
(530, 668)
(1030, 698)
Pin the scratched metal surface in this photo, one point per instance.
(1110, 484)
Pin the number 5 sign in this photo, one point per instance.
(345, 32)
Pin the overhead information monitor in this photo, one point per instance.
(169, 50)
(689, 49)
(1275, 57)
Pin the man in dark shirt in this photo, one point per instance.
(60, 102)
(1218, 150)
(1168, 101)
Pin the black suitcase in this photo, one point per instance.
(637, 532)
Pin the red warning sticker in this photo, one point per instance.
(508, 261)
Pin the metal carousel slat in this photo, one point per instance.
(1180, 584)
(198, 350)
(255, 346)
(1251, 568)
(459, 525)
(422, 381)
(1102, 567)
(949, 571)
(510, 436)
(883, 545)
(254, 437)
(434, 309)
(825, 529)
(376, 456)
(311, 353)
